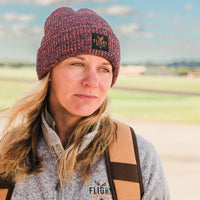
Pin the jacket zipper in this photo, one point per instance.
(59, 191)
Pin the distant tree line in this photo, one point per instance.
(185, 64)
(181, 68)
(16, 64)
(172, 64)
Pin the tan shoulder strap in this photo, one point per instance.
(6, 189)
(123, 165)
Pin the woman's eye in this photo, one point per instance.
(105, 70)
(78, 64)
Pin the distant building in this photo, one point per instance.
(194, 74)
(132, 69)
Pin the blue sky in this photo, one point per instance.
(154, 30)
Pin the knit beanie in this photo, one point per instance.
(68, 33)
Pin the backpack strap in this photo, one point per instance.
(123, 165)
(6, 189)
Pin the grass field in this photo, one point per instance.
(155, 107)
(132, 104)
(25, 73)
(172, 83)
(10, 91)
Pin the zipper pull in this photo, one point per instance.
(58, 186)
(59, 191)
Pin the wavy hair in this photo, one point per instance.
(18, 157)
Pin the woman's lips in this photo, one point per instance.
(86, 96)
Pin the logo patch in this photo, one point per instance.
(100, 190)
(99, 41)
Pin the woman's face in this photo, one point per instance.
(79, 85)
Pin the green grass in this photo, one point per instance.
(156, 107)
(10, 92)
(173, 83)
(24, 73)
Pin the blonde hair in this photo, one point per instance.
(18, 156)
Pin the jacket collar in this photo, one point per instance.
(49, 119)
(53, 141)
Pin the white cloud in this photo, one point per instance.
(170, 37)
(180, 27)
(197, 29)
(9, 16)
(133, 31)
(13, 17)
(149, 35)
(38, 30)
(4, 2)
(20, 32)
(155, 16)
(163, 16)
(25, 18)
(67, 2)
(2, 35)
(46, 2)
(186, 28)
(2, 31)
(188, 7)
(19, 29)
(117, 10)
(128, 30)
(51, 2)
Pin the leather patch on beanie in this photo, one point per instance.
(99, 41)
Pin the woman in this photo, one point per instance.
(56, 138)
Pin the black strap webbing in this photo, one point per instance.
(6, 184)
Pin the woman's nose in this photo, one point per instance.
(90, 79)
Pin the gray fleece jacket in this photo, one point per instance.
(45, 186)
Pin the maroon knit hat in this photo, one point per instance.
(68, 33)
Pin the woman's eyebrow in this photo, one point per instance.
(79, 57)
(106, 63)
